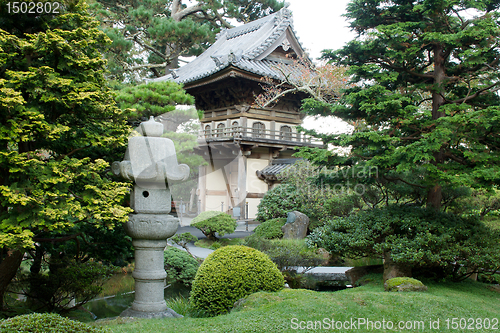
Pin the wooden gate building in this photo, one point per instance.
(245, 146)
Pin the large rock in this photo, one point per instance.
(296, 226)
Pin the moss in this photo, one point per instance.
(404, 284)
(46, 322)
(231, 273)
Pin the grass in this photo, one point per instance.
(274, 312)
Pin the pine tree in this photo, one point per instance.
(149, 36)
(59, 129)
(425, 101)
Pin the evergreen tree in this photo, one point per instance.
(149, 36)
(59, 129)
(425, 101)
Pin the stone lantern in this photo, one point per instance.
(151, 162)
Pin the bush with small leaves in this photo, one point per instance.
(270, 229)
(277, 202)
(46, 322)
(180, 266)
(231, 273)
(211, 222)
(412, 238)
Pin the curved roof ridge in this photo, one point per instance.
(282, 19)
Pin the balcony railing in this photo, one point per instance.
(252, 134)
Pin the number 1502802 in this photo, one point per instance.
(472, 323)
(33, 7)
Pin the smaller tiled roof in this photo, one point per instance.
(271, 171)
(245, 47)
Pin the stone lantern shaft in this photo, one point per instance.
(151, 162)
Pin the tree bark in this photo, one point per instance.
(8, 269)
(434, 194)
(393, 269)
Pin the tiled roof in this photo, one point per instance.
(244, 47)
(272, 170)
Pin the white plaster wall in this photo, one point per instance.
(252, 207)
(254, 184)
(214, 202)
(215, 181)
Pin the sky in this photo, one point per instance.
(319, 25)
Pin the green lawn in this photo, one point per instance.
(275, 312)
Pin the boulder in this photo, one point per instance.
(296, 226)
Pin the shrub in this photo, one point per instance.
(413, 237)
(277, 202)
(215, 246)
(288, 254)
(231, 273)
(314, 201)
(180, 266)
(270, 229)
(46, 322)
(404, 284)
(64, 282)
(211, 222)
(183, 240)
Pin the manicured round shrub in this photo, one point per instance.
(404, 284)
(180, 266)
(270, 229)
(231, 273)
(211, 222)
(46, 323)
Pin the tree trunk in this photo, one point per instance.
(392, 269)
(434, 194)
(8, 269)
(434, 197)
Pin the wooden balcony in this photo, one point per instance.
(249, 134)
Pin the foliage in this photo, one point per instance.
(404, 284)
(302, 189)
(424, 99)
(183, 306)
(141, 101)
(231, 273)
(46, 322)
(287, 254)
(180, 266)
(270, 229)
(211, 222)
(210, 244)
(55, 289)
(59, 129)
(272, 312)
(415, 237)
(183, 239)
(479, 201)
(277, 202)
(148, 36)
